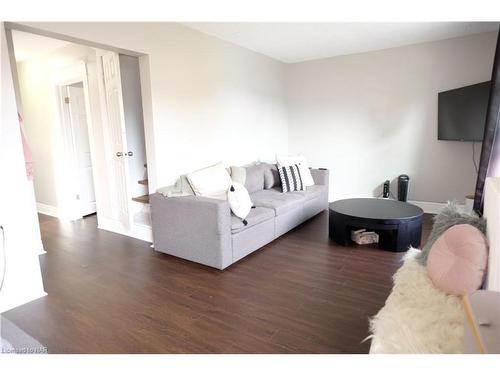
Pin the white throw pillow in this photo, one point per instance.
(300, 160)
(210, 182)
(239, 200)
(239, 174)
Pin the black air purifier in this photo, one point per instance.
(403, 186)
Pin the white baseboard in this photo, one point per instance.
(47, 209)
(141, 232)
(111, 226)
(431, 207)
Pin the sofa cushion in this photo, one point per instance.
(255, 178)
(278, 201)
(271, 175)
(311, 192)
(250, 176)
(256, 216)
(238, 174)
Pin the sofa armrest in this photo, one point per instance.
(320, 176)
(193, 228)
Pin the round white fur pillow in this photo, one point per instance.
(239, 200)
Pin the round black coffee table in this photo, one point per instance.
(398, 224)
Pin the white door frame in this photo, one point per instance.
(67, 188)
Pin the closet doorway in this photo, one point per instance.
(72, 96)
(82, 156)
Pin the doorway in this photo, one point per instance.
(76, 124)
(86, 133)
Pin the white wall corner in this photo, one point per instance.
(40, 249)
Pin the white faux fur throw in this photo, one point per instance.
(417, 317)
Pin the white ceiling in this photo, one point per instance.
(27, 45)
(295, 42)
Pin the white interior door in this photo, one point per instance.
(116, 137)
(86, 195)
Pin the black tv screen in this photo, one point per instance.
(462, 112)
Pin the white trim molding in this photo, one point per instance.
(47, 209)
(141, 232)
(432, 207)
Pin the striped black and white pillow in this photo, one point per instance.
(290, 178)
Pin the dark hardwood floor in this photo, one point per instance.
(108, 293)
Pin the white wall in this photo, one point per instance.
(372, 116)
(368, 117)
(211, 100)
(134, 122)
(23, 281)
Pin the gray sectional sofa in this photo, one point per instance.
(203, 230)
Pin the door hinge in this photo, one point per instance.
(66, 100)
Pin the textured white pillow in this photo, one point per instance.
(239, 200)
(239, 174)
(210, 182)
(300, 160)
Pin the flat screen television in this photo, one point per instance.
(462, 112)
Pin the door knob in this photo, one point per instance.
(119, 154)
(130, 153)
